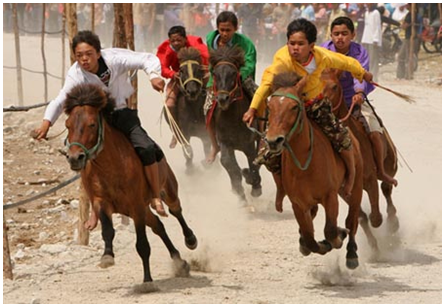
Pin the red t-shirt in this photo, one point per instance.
(169, 57)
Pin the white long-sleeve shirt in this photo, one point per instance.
(119, 61)
(372, 32)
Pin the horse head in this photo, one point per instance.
(83, 106)
(286, 111)
(191, 72)
(226, 63)
(332, 89)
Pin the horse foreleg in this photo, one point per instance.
(228, 161)
(174, 205)
(142, 245)
(364, 223)
(393, 221)
(108, 236)
(372, 190)
(331, 231)
(252, 175)
(181, 266)
(307, 240)
(352, 225)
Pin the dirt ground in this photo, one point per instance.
(243, 255)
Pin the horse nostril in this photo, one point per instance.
(279, 140)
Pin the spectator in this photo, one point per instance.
(336, 11)
(281, 15)
(403, 59)
(372, 37)
(295, 11)
(144, 15)
(308, 12)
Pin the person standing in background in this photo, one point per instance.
(372, 37)
(144, 15)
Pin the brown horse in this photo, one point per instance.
(113, 176)
(334, 91)
(312, 173)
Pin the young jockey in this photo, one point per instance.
(302, 56)
(168, 55)
(342, 34)
(109, 68)
(225, 35)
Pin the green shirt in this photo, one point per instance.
(249, 53)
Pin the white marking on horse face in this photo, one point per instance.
(281, 99)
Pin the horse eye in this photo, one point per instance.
(92, 125)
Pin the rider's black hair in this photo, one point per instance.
(342, 20)
(227, 16)
(305, 26)
(177, 30)
(86, 37)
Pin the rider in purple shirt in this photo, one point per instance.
(342, 34)
(350, 85)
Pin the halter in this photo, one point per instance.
(297, 125)
(237, 83)
(191, 77)
(100, 139)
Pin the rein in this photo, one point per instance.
(299, 123)
(237, 83)
(100, 139)
(337, 106)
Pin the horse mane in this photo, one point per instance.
(189, 53)
(233, 55)
(284, 80)
(89, 95)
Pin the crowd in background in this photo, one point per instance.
(264, 24)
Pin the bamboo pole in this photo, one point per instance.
(17, 54)
(7, 267)
(411, 41)
(71, 14)
(129, 35)
(92, 17)
(63, 42)
(42, 49)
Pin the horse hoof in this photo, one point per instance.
(393, 224)
(146, 287)
(256, 192)
(106, 261)
(181, 268)
(351, 263)
(304, 250)
(191, 242)
(325, 247)
(376, 219)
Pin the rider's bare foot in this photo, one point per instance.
(386, 178)
(212, 155)
(157, 205)
(92, 221)
(173, 142)
(347, 188)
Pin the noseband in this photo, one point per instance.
(237, 83)
(91, 151)
(299, 123)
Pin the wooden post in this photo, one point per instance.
(129, 35)
(63, 42)
(71, 14)
(92, 17)
(42, 48)
(7, 267)
(17, 54)
(84, 214)
(411, 42)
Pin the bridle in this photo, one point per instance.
(191, 77)
(237, 83)
(96, 148)
(298, 125)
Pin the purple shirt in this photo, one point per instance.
(348, 83)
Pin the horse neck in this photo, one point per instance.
(339, 107)
(301, 141)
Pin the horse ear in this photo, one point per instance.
(301, 84)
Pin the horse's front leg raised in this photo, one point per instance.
(228, 161)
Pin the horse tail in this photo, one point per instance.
(391, 146)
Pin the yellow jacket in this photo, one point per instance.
(283, 62)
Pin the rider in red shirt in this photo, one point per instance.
(168, 55)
